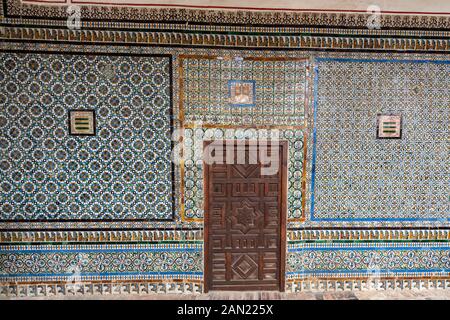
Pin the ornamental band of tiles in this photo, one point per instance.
(111, 213)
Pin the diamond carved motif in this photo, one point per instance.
(245, 266)
(245, 170)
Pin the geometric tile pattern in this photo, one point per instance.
(122, 172)
(61, 262)
(193, 165)
(381, 259)
(358, 177)
(82, 122)
(279, 91)
(72, 256)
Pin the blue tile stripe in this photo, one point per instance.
(95, 274)
(422, 272)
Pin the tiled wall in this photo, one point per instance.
(365, 259)
(114, 190)
(279, 92)
(101, 262)
(357, 177)
(123, 172)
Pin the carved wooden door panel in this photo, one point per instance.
(245, 223)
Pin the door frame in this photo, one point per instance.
(283, 214)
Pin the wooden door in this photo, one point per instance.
(245, 223)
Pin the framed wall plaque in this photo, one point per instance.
(242, 93)
(82, 122)
(389, 126)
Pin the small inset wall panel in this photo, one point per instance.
(82, 122)
(389, 126)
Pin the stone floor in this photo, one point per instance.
(414, 294)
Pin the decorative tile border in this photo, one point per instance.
(16, 9)
(103, 236)
(232, 29)
(368, 235)
(398, 283)
(292, 42)
(191, 287)
(74, 263)
(367, 260)
(196, 235)
(105, 288)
